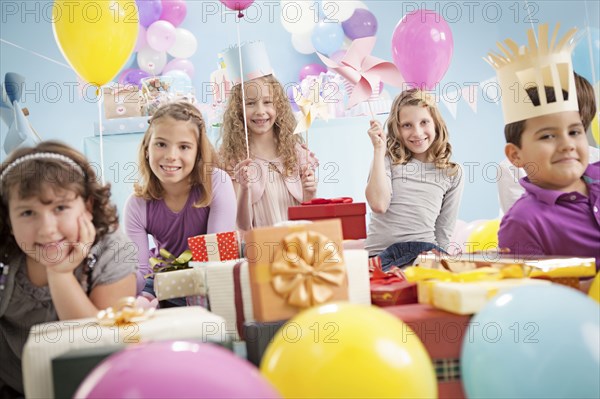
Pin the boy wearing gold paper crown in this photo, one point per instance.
(559, 213)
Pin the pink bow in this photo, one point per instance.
(363, 70)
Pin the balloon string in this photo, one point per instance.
(36, 54)
(243, 93)
(100, 102)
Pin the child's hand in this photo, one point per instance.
(309, 183)
(241, 173)
(377, 135)
(77, 250)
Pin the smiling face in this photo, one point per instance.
(554, 151)
(260, 108)
(172, 150)
(417, 130)
(44, 226)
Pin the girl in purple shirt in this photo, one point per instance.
(180, 194)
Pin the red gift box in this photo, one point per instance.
(352, 215)
(215, 247)
(442, 335)
(389, 289)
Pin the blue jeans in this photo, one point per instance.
(404, 253)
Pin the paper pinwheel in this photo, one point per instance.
(311, 107)
(20, 133)
(363, 70)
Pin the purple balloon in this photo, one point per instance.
(173, 11)
(422, 47)
(132, 76)
(311, 69)
(362, 23)
(149, 11)
(175, 369)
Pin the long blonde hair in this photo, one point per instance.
(233, 141)
(149, 186)
(440, 150)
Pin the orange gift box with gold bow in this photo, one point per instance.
(295, 267)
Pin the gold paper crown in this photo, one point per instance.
(541, 64)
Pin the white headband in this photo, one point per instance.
(41, 155)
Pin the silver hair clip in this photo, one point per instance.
(41, 155)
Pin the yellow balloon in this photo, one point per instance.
(96, 37)
(484, 237)
(596, 129)
(594, 292)
(343, 350)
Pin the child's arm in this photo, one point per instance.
(223, 210)
(68, 297)
(444, 224)
(242, 191)
(379, 186)
(135, 228)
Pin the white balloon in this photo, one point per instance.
(185, 44)
(340, 10)
(298, 16)
(151, 61)
(302, 42)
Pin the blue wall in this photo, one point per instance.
(57, 111)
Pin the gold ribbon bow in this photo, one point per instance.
(125, 312)
(169, 262)
(307, 269)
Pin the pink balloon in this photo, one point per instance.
(237, 5)
(422, 47)
(141, 39)
(180, 64)
(175, 369)
(311, 69)
(160, 35)
(173, 11)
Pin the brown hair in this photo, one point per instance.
(32, 176)
(149, 186)
(585, 98)
(440, 150)
(233, 140)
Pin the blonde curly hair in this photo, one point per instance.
(149, 186)
(440, 150)
(233, 142)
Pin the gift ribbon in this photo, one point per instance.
(323, 201)
(305, 272)
(415, 273)
(125, 312)
(381, 277)
(169, 262)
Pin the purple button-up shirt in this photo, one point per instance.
(548, 222)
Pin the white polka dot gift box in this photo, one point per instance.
(215, 247)
(179, 284)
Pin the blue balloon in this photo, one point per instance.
(534, 342)
(181, 82)
(587, 49)
(327, 37)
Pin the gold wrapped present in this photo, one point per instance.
(114, 327)
(180, 283)
(295, 267)
(469, 298)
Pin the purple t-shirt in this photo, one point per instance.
(170, 230)
(548, 222)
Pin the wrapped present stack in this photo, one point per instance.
(352, 214)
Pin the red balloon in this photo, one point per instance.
(237, 5)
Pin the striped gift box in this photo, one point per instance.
(215, 247)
